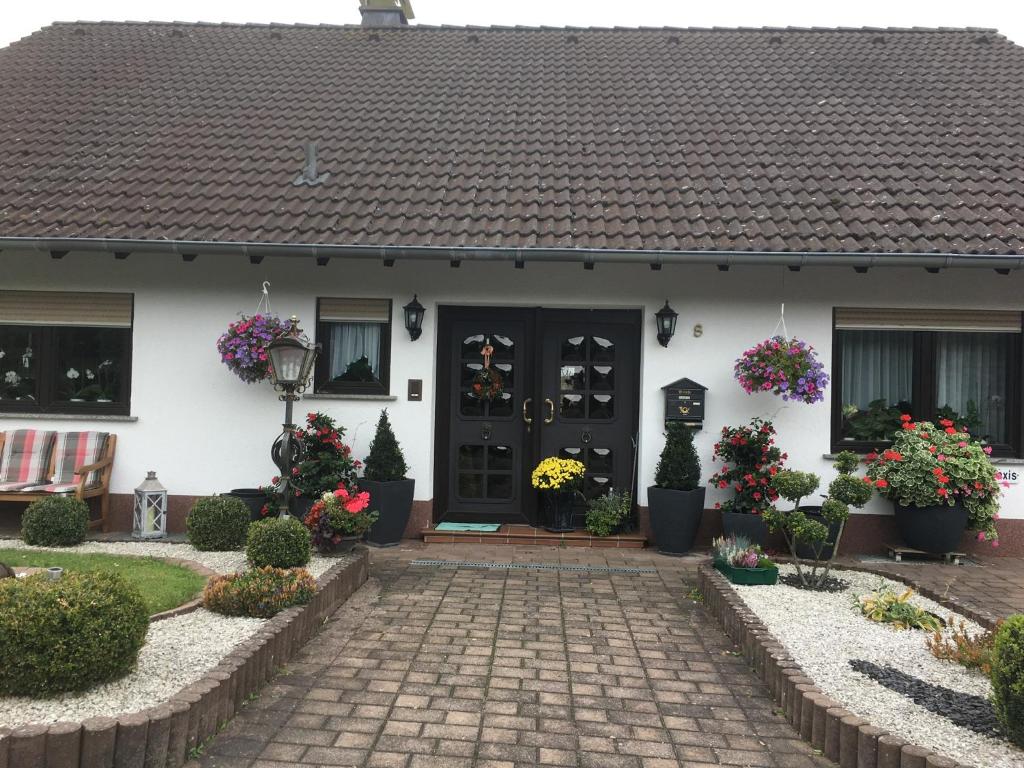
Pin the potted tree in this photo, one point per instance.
(391, 491)
(676, 500)
(941, 482)
(751, 461)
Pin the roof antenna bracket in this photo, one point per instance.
(309, 176)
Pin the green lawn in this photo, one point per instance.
(163, 586)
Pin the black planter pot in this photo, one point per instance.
(393, 503)
(675, 517)
(932, 529)
(753, 527)
(254, 499)
(300, 506)
(806, 551)
(341, 547)
(558, 510)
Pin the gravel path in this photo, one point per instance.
(824, 631)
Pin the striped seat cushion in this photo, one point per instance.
(26, 456)
(52, 488)
(74, 450)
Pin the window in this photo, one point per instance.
(962, 365)
(65, 352)
(355, 335)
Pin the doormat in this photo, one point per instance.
(472, 527)
(533, 566)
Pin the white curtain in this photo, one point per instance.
(877, 365)
(350, 342)
(971, 371)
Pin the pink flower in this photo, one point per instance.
(962, 444)
(981, 535)
(995, 542)
(987, 449)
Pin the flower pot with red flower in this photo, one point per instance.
(786, 367)
(941, 482)
(339, 519)
(751, 459)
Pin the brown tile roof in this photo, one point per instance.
(675, 139)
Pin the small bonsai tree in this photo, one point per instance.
(679, 466)
(844, 491)
(385, 463)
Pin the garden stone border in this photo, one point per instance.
(841, 736)
(163, 736)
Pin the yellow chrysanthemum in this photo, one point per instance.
(553, 473)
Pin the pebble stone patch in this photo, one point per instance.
(825, 632)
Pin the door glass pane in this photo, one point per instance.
(574, 349)
(602, 406)
(877, 382)
(572, 377)
(602, 377)
(89, 364)
(499, 458)
(505, 371)
(504, 347)
(502, 406)
(471, 457)
(596, 485)
(470, 405)
(600, 460)
(499, 486)
(571, 453)
(571, 406)
(471, 345)
(18, 364)
(971, 371)
(601, 350)
(471, 486)
(466, 373)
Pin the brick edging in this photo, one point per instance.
(164, 735)
(841, 736)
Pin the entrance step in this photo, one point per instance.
(527, 535)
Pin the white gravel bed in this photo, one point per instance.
(822, 632)
(177, 652)
(221, 562)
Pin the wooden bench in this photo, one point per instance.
(100, 488)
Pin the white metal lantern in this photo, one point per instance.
(150, 518)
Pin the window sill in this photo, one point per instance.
(338, 396)
(1005, 460)
(67, 416)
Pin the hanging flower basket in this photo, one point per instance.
(243, 347)
(787, 367)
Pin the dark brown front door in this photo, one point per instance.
(570, 388)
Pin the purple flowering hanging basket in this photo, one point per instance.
(243, 348)
(786, 367)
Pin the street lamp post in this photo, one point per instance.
(291, 363)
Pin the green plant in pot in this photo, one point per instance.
(751, 461)
(742, 562)
(389, 488)
(676, 500)
(941, 482)
(814, 540)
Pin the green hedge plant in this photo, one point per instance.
(607, 512)
(68, 635)
(385, 462)
(679, 466)
(218, 524)
(280, 542)
(56, 521)
(1008, 678)
(260, 593)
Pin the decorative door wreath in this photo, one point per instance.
(487, 384)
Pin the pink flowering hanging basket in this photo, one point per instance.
(786, 367)
(243, 347)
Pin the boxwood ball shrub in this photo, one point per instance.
(1008, 678)
(261, 592)
(218, 524)
(56, 521)
(280, 542)
(68, 635)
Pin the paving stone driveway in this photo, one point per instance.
(429, 667)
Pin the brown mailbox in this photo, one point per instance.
(684, 401)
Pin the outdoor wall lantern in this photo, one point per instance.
(666, 319)
(149, 520)
(291, 363)
(414, 312)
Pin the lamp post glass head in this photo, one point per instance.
(291, 361)
(666, 318)
(414, 312)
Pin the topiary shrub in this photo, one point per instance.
(385, 462)
(68, 635)
(1008, 678)
(218, 524)
(280, 542)
(260, 593)
(56, 521)
(679, 466)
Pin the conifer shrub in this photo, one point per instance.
(385, 462)
(55, 521)
(218, 524)
(679, 466)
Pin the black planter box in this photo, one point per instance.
(936, 529)
(393, 503)
(752, 527)
(675, 517)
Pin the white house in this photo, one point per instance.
(543, 190)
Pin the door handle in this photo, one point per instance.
(551, 412)
(528, 419)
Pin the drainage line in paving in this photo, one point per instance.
(532, 566)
